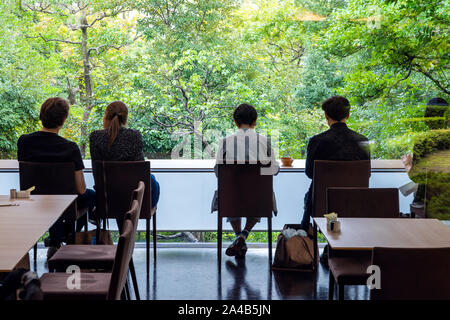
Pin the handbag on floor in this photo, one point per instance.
(85, 237)
(295, 253)
(102, 236)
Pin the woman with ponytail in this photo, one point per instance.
(118, 143)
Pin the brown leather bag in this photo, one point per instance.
(86, 237)
(297, 253)
(300, 250)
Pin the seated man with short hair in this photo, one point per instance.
(47, 146)
(339, 143)
(245, 145)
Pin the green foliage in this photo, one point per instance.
(16, 117)
(430, 142)
(255, 237)
(320, 78)
(431, 169)
(184, 66)
(23, 82)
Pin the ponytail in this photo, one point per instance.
(115, 117)
(113, 129)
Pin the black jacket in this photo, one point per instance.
(337, 143)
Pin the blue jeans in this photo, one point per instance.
(87, 200)
(155, 190)
(63, 226)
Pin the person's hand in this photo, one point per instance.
(407, 161)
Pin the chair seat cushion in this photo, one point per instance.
(84, 256)
(93, 286)
(350, 269)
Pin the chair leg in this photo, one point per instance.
(341, 292)
(127, 290)
(123, 295)
(315, 247)
(154, 236)
(86, 222)
(219, 240)
(331, 287)
(147, 242)
(35, 256)
(134, 279)
(269, 229)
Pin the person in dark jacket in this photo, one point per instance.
(118, 143)
(339, 143)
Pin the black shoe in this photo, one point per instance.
(242, 252)
(235, 248)
(324, 257)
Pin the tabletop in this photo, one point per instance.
(21, 226)
(367, 233)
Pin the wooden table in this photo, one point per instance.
(367, 233)
(22, 226)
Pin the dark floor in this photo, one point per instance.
(192, 274)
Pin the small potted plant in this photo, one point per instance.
(287, 152)
(287, 161)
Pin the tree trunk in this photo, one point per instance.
(88, 103)
(204, 144)
(72, 93)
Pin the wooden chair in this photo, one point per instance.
(114, 183)
(329, 174)
(363, 202)
(51, 178)
(412, 274)
(95, 286)
(335, 174)
(349, 267)
(243, 192)
(99, 257)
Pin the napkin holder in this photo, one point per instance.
(333, 225)
(25, 194)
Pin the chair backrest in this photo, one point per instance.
(243, 191)
(121, 261)
(48, 178)
(133, 216)
(336, 174)
(138, 194)
(412, 274)
(135, 207)
(363, 202)
(115, 182)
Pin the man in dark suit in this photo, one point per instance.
(337, 143)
